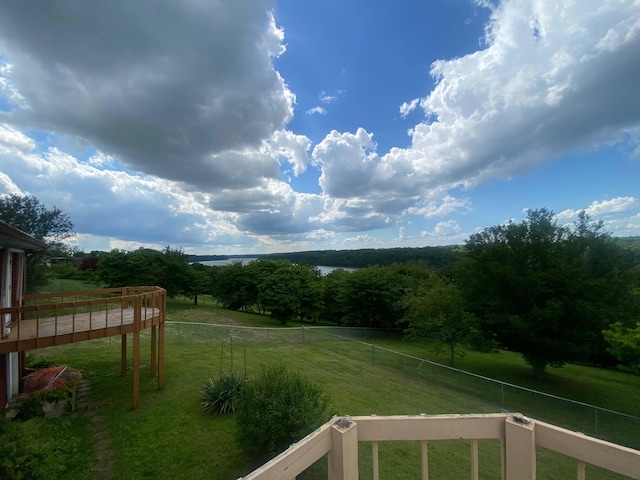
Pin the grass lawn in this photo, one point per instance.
(169, 437)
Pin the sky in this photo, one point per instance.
(261, 126)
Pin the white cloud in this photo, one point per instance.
(316, 110)
(448, 232)
(446, 229)
(7, 187)
(407, 108)
(293, 147)
(11, 138)
(325, 98)
(403, 235)
(602, 209)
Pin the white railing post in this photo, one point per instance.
(343, 457)
(521, 448)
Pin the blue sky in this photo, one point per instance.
(261, 126)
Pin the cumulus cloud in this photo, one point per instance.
(111, 203)
(603, 209)
(183, 93)
(552, 78)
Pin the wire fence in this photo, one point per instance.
(356, 343)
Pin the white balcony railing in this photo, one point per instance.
(519, 437)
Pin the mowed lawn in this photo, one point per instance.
(169, 437)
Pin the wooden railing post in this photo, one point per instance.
(137, 318)
(520, 443)
(123, 355)
(343, 457)
(162, 306)
(154, 329)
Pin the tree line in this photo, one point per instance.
(551, 292)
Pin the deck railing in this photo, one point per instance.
(520, 437)
(67, 317)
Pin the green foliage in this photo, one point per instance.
(220, 395)
(168, 269)
(372, 297)
(284, 289)
(232, 286)
(37, 362)
(29, 215)
(277, 409)
(545, 290)
(624, 344)
(49, 225)
(438, 309)
(38, 448)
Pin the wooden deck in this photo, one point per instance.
(49, 331)
(70, 317)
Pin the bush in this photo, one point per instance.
(38, 448)
(277, 409)
(221, 395)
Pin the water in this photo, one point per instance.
(323, 268)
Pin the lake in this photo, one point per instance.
(323, 268)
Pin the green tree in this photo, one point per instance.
(333, 295)
(168, 269)
(372, 297)
(230, 285)
(545, 290)
(624, 344)
(52, 226)
(280, 292)
(438, 309)
(200, 282)
(29, 215)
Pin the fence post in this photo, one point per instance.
(373, 354)
(303, 334)
(343, 457)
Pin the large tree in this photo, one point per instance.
(437, 309)
(52, 226)
(29, 215)
(546, 290)
(168, 269)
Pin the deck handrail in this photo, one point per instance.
(519, 437)
(80, 315)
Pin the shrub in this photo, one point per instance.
(221, 395)
(277, 409)
(38, 448)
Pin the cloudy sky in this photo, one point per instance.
(256, 126)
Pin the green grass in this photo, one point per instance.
(605, 388)
(67, 285)
(170, 437)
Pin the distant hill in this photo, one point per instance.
(210, 258)
(436, 257)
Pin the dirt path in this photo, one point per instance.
(103, 468)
